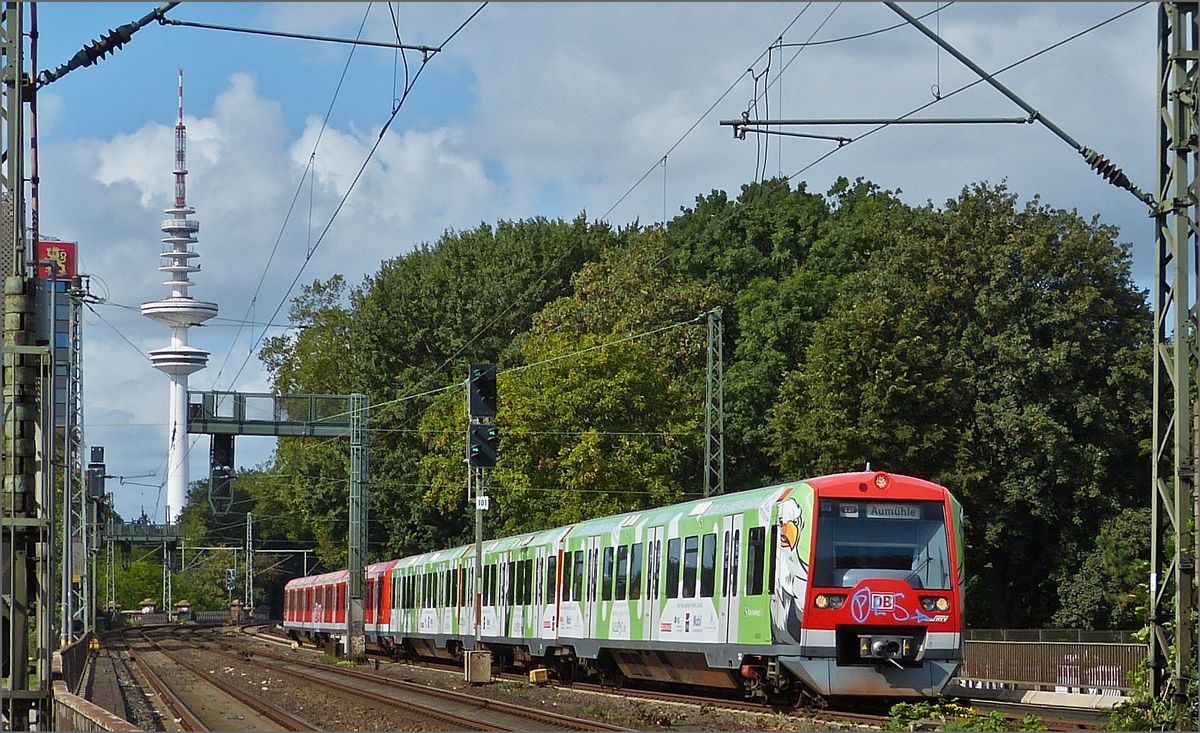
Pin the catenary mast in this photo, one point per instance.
(179, 312)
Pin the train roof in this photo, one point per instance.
(321, 579)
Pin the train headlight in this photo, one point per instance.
(832, 600)
(929, 603)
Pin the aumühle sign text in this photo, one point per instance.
(893, 511)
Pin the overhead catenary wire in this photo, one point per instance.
(704, 116)
(350, 189)
(310, 173)
(970, 85)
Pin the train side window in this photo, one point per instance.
(593, 572)
(725, 568)
(708, 565)
(495, 592)
(635, 572)
(529, 578)
(566, 577)
(656, 560)
(673, 568)
(508, 596)
(551, 578)
(577, 591)
(606, 589)
(735, 565)
(539, 577)
(774, 550)
(622, 572)
(370, 595)
(691, 557)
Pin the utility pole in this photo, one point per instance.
(356, 640)
(1174, 501)
(714, 406)
(248, 603)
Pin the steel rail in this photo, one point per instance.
(539, 716)
(275, 713)
(187, 718)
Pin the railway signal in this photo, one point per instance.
(482, 444)
(481, 390)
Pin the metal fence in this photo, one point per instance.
(1076, 665)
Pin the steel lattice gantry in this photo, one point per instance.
(1176, 410)
(26, 544)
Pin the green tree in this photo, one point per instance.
(600, 415)
(1001, 351)
(782, 254)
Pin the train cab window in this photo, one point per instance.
(622, 572)
(673, 558)
(635, 572)
(606, 589)
(528, 597)
(857, 540)
(577, 591)
(691, 557)
(756, 540)
(551, 578)
(708, 565)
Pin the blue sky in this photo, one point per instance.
(534, 109)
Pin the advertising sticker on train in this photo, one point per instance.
(893, 511)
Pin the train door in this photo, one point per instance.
(467, 615)
(543, 599)
(730, 600)
(591, 599)
(653, 604)
(504, 581)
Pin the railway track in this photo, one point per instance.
(663, 696)
(868, 715)
(210, 712)
(447, 708)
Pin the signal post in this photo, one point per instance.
(483, 440)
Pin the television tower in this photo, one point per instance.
(179, 312)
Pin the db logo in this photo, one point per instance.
(883, 602)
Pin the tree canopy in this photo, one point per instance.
(997, 348)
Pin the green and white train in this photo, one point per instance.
(842, 585)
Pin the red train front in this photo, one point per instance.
(881, 587)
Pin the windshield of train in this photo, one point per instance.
(858, 540)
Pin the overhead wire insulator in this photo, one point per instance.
(106, 44)
(1110, 172)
